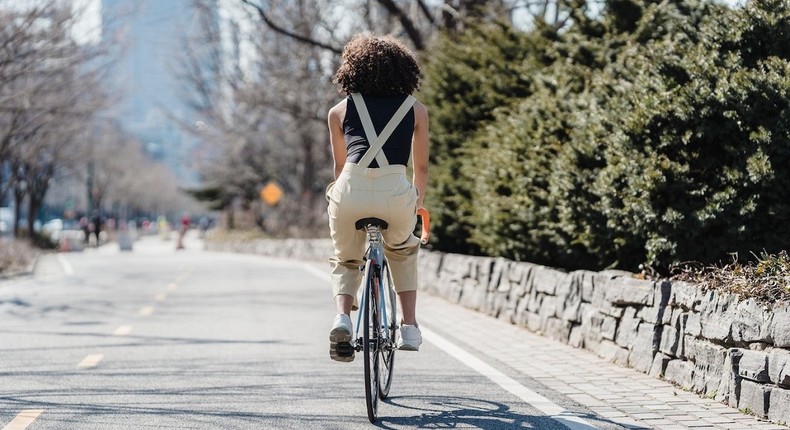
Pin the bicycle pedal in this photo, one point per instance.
(344, 349)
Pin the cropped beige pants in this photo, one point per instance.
(384, 193)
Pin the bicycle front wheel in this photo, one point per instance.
(370, 339)
(390, 328)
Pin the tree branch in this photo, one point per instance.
(303, 39)
(405, 21)
(426, 12)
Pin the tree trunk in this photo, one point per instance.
(19, 197)
(32, 208)
(35, 199)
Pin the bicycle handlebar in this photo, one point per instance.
(426, 225)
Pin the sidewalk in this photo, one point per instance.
(621, 395)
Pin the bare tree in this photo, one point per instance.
(417, 23)
(124, 180)
(49, 92)
(261, 121)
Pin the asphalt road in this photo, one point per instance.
(164, 339)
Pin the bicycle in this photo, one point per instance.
(378, 309)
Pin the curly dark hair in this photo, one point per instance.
(377, 66)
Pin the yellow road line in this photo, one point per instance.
(161, 297)
(122, 330)
(23, 419)
(90, 361)
(148, 310)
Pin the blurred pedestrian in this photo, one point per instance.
(86, 229)
(182, 230)
(96, 224)
(163, 227)
(203, 224)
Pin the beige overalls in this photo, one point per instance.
(384, 192)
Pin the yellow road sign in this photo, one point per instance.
(271, 193)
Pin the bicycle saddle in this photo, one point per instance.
(375, 222)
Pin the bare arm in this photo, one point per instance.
(336, 136)
(419, 151)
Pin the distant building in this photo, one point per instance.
(152, 104)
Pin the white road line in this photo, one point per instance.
(122, 330)
(172, 286)
(148, 310)
(23, 419)
(543, 404)
(323, 274)
(90, 361)
(160, 297)
(67, 269)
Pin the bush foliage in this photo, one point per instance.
(655, 133)
(466, 84)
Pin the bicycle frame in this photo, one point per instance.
(375, 254)
(377, 304)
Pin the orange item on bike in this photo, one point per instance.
(426, 225)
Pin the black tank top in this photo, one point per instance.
(381, 109)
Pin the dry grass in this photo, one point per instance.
(767, 278)
(15, 255)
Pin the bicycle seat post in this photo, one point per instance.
(373, 228)
(374, 234)
(374, 243)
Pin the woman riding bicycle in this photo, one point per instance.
(378, 75)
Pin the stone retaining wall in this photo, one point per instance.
(736, 351)
(301, 249)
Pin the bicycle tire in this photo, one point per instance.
(387, 362)
(370, 341)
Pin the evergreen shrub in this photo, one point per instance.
(468, 76)
(657, 143)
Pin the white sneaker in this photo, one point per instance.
(340, 348)
(410, 338)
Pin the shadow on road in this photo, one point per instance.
(218, 406)
(433, 412)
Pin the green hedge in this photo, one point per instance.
(465, 85)
(656, 142)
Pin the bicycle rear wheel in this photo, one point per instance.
(370, 340)
(390, 326)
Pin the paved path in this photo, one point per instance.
(161, 339)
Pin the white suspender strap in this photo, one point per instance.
(367, 126)
(377, 142)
